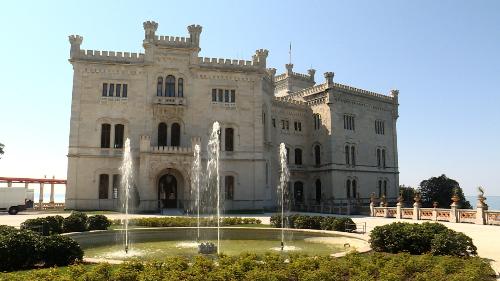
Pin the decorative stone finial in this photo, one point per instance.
(394, 93)
(194, 33)
(150, 28)
(417, 197)
(329, 78)
(311, 73)
(435, 204)
(481, 198)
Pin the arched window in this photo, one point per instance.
(354, 189)
(103, 186)
(162, 134)
(385, 187)
(159, 87)
(229, 187)
(105, 135)
(170, 86)
(383, 158)
(180, 87)
(317, 155)
(298, 156)
(353, 156)
(229, 139)
(348, 188)
(347, 155)
(119, 133)
(288, 155)
(379, 188)
(318, 191)
(175, 135)
(378, 157)
(298, 191)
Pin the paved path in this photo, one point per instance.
(485, 237)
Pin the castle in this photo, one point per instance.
(341, 141)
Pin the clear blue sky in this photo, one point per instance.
(443, 56)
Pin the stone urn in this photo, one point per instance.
(207, 248)
(383, 202)
(435, 204)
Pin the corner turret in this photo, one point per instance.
(76, 42)
(194, 34)
(311, 73)
(329, 79)
(150, 28)
(260, 57)
(289, 69)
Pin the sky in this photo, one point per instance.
(443, 56)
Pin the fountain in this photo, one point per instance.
(282, 188)
(126, 183)
(213, 179)
(195, 186)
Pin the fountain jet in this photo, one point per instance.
(126, 183)
(282, 188)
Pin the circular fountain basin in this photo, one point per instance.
(157, 243)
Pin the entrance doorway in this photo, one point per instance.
(167, 192)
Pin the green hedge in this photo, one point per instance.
(422, 238)
(75, 222)
(314, 222)
(20, 249)
(186, 221)
(367, 267)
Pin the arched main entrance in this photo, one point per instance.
(167, 192)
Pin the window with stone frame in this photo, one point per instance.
(105, 135)
(162, 134)
(229, 139)
(103, 186)
(349, 122)
(116, 185)
(229, 187)
(379, 127)
(170, 86)
(175, 135)
(104, 89)
(180, 87)
(298, 156)
(119, 135)
(159, 87)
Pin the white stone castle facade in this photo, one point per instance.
(341, 140)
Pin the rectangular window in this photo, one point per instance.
(214, 95)
(124, 93)
(229, 139)
(295, 126)
(229, 184)
(283, 124)
(287, 125)
(104, 89)
(118, 89)
(226, 95)
(274, 122)
(379, 127)
(221, 93)
(116, 185)
(103, 186)
(111, 90)
(349, 122)
(233, 96)
(299, 126)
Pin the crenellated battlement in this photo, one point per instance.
(362, 92)
(174, 41)
(110, 56)
(258, 62)
(309, 91)
(289, 101)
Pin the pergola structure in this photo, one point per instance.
(26, 181)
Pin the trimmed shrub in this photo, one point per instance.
(76, 222)
(418, 239)
(314, 222)
(452, 243)
(185, 221)
(46, 226)
(5, 229)
(60, 250)
(19, 249)
(98, 222)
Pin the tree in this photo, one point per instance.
(1, 148)
(441, 189)
(407, 192)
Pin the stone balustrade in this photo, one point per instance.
(480, 215)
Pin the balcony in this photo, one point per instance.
(171, 150)
(169, 100)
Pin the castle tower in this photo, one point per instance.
(260, 57)
(150, 28)
(194, 34)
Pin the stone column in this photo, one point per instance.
(40, 197)
(481, 207)
(399, 205)
(52, 191)
(416, 207)
(453, 209)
